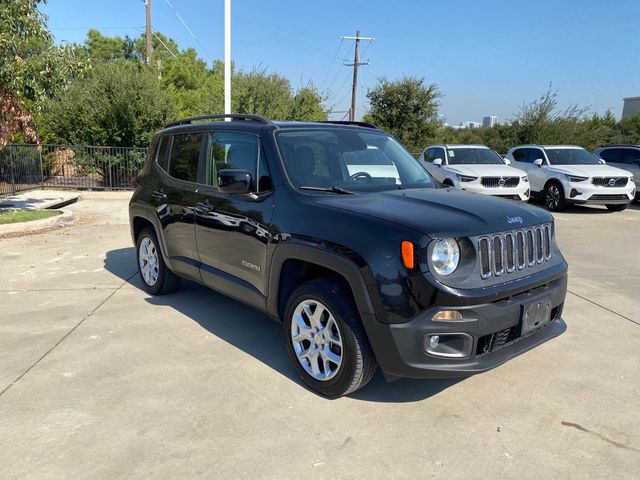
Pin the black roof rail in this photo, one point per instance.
(346, 122)
(233, 116)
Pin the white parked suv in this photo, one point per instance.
(475, 168)
(564, 174)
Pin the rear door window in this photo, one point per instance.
(185, 153)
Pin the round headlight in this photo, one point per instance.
(445, 256)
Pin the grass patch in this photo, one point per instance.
(16, 216)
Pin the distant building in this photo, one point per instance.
(490, 121)
(471, 125)
(631, 107)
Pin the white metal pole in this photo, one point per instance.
(227, 57)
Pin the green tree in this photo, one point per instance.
(118, 104)
(261, 93)
(407, 108)
(31, 67)
(306, 105)
(101, 48)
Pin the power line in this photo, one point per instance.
(164, 45)
(188, 28)
(333, 62)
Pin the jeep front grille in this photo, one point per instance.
(610, 181)
(506, 252)
(495, 182)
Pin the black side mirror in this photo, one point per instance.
(234, 181)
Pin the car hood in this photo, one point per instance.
(589, 170)
(486, 170)
(441, 212)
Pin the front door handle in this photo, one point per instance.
(159, 195)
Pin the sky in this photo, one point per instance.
(486, 57)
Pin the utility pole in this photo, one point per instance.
(356, 63)
(148, 31)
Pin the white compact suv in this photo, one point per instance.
(564, 174)
(475, 168)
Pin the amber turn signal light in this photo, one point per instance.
(408, 258)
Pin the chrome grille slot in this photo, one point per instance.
(531, 253)
(507, 252)
(547, 242)
(498, 263)
(485, 257)
(520, 250)
(539, 245)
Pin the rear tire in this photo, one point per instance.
(157, 279)
(326, 340)
(618, 207)
(554, 198)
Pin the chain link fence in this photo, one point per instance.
(25, 167)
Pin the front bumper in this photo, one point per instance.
(586, 192)
(521, 192)
(494, 329)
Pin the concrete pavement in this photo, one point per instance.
(99, 380)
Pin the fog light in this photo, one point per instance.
(449, 345)
(447, 316)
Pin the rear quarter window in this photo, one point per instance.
(163, 153)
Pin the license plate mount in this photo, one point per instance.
(535, 315)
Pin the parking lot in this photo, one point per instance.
(99, 380)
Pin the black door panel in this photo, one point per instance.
(232, 231)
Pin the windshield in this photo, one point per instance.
(571, 156)
(473, 156)
(349, 159)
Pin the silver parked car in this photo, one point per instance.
(626, 157)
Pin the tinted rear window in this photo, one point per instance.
(163, 153)
(185, 152)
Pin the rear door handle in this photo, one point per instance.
(159, 195)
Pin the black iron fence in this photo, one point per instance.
(24, 167)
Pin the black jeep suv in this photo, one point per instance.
(335, 230)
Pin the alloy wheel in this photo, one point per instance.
(553, 197)
(148, 259)
(316, 339)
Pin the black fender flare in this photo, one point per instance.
(149, 215)
(321, 257)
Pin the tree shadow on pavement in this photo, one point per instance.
(256, 334)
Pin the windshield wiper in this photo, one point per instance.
(333, 189)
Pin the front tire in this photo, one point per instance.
(326, 340)
(618, 207)
(554, 197)
(157, 279)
